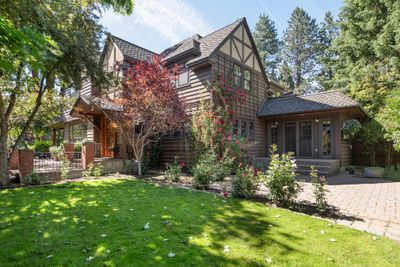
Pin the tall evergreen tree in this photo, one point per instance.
(267, 42)
(285, 76)
(328, 54)
(300, 49)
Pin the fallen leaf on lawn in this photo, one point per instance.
(106, 215)
(269, 260)
(224, 200)
(227, 249)
(304, 232)
(374, 238)
(270, 225)
(103, 235)
(171, 254)
(330, 225)
(49, 256)
(258, 222)
(165, 239)
(165, 208)
(278, 216)
(332, 240)
(130, 209)
(146, 226)
(322, 232)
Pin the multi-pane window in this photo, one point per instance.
(77, 132)
(251, 130)
(237, 75)
(326, 138)
(247, 80)
(243, 128)
(241, 77)
(235, 129)
(274, 134)
(183, 78)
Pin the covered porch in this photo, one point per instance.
(310, 127)
(98, 128)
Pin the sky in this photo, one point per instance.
(159, 24)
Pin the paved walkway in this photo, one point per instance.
(373, 203)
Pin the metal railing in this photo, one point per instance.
(97, 150)
(47, 161)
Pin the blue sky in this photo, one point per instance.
(158, 24)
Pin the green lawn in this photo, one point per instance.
(101, 223)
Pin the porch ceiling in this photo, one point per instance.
(92, 106)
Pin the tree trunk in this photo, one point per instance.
(139, 167)
(3, 144)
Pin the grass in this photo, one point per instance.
(101, 223)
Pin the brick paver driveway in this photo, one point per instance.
(374, 203)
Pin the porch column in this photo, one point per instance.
(54, 137)
(26, 158)
(87, 154)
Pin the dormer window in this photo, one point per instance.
(183, 78)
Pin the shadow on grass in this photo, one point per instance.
(102, 222)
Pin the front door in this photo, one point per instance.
(290, 137)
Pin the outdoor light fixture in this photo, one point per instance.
(316, 120)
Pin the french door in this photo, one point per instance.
(298, 138)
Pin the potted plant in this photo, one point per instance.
(371, 135)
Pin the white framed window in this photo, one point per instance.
(247, 80)
(237, 75)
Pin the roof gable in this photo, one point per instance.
(132, 51)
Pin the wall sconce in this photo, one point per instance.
(276, 123)
(316, 120)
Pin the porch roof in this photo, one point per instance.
(294, 104)
(91, 105)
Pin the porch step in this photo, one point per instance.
(325, 167)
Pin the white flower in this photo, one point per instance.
(190, 237)
(171, 254)
(269, 260)
(103, 235)
(227, 249)
(146, 226)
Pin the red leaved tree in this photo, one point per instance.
(150, 105)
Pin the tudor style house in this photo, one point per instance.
(309, 126)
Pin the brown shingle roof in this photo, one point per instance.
(131, 50)
(306, 103)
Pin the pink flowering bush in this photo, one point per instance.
(319, 190)
(280, 178)
(246, 182)
(212, 124)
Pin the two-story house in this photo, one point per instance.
(309, 126)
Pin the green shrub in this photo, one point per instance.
(209, 169)
(65, 168)
(173, 171)
(41, 146)
(78, 147)
(319, 190)
(98, 170)
(89, 170)
(393, 172)
(246, 182)
(33, 179)
(56, 150)
(280, 178)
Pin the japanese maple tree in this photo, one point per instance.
(150, 105)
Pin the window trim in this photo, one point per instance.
(178, 85)
(243, 79)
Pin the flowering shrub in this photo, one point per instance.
(319, 189)
(212, 124)
(173, 171)
(246, 182)
(280, 178)
(351, 127)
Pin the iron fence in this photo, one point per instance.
(47, 161)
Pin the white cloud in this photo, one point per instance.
(174, 20)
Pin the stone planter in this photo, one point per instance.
(374, 172)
